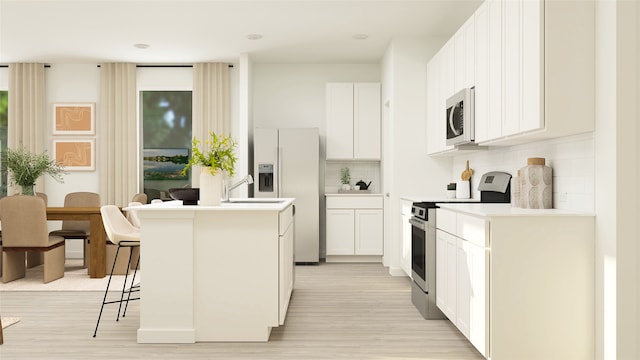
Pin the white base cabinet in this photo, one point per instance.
(354, 227)
(461, 253)
(523, 280)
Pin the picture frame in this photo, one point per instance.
(75, 154)
(74, 119)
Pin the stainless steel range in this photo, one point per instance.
(494, 188)
(423, 259)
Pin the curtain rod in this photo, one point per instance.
(143, 66)
(6, 66)
(167, 66)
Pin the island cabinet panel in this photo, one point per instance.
(215, 273)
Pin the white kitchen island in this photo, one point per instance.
(215, 273)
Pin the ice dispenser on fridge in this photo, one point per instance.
(265, 177)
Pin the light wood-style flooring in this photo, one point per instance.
(338, 311)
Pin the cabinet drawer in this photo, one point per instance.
(285, 220)
(446, 221)
(473, 229)
(354, 202)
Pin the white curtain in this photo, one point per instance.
(27, 111)
(117, 134)
(210, 99)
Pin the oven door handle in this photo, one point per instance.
(417, 223)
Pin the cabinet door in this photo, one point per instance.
(512, 66)
(441, 271)
(339, 139)
(368, 232)
(532, 114)
(366, 121)
(464, 50)
(478, 329)
(488, 25)
(340, 232)
(464, 269)
(482, 73)
(494, 128)
(286, 271)
(446, 274)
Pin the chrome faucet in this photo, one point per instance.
(227, 188)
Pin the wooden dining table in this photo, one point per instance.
(98, 242)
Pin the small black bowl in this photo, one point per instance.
(189, 196)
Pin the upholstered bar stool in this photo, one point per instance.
(123, 234)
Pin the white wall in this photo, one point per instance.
(293, 95)
(571, 158)
(407, 170)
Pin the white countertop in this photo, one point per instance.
(440, 199)
(493, 210)
(353, 194)
(235, 204)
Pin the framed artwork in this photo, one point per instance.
(75, 154)
(74, 119)
(165, 164)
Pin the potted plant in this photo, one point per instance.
(345, 178)
(218, 159)
(26, 167)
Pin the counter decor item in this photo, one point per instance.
(345, 178)
(217, 159)
(451, 191)
(26, 167)
(515, 190)
(463, 187)
(189, 196)
(536, 190)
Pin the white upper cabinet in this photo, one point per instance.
(534, 72)
(353, 121)
(545, 66)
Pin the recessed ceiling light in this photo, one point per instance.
(360, 36)
(141, 46)
(254, 36)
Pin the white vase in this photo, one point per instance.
(210, 187)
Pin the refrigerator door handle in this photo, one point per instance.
(280, 162)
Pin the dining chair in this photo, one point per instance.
(24, 219)
(122, 233)
(35, 258)
(78, 229)
(140, 197)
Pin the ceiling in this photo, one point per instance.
(188, 31)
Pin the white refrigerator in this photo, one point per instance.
(286, 163)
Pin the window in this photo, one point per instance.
(166, 140)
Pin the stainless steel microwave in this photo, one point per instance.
(460, 113)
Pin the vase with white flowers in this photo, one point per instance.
(26, 167)
(217, 159)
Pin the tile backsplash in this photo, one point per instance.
(359, 170)
(571, 158)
